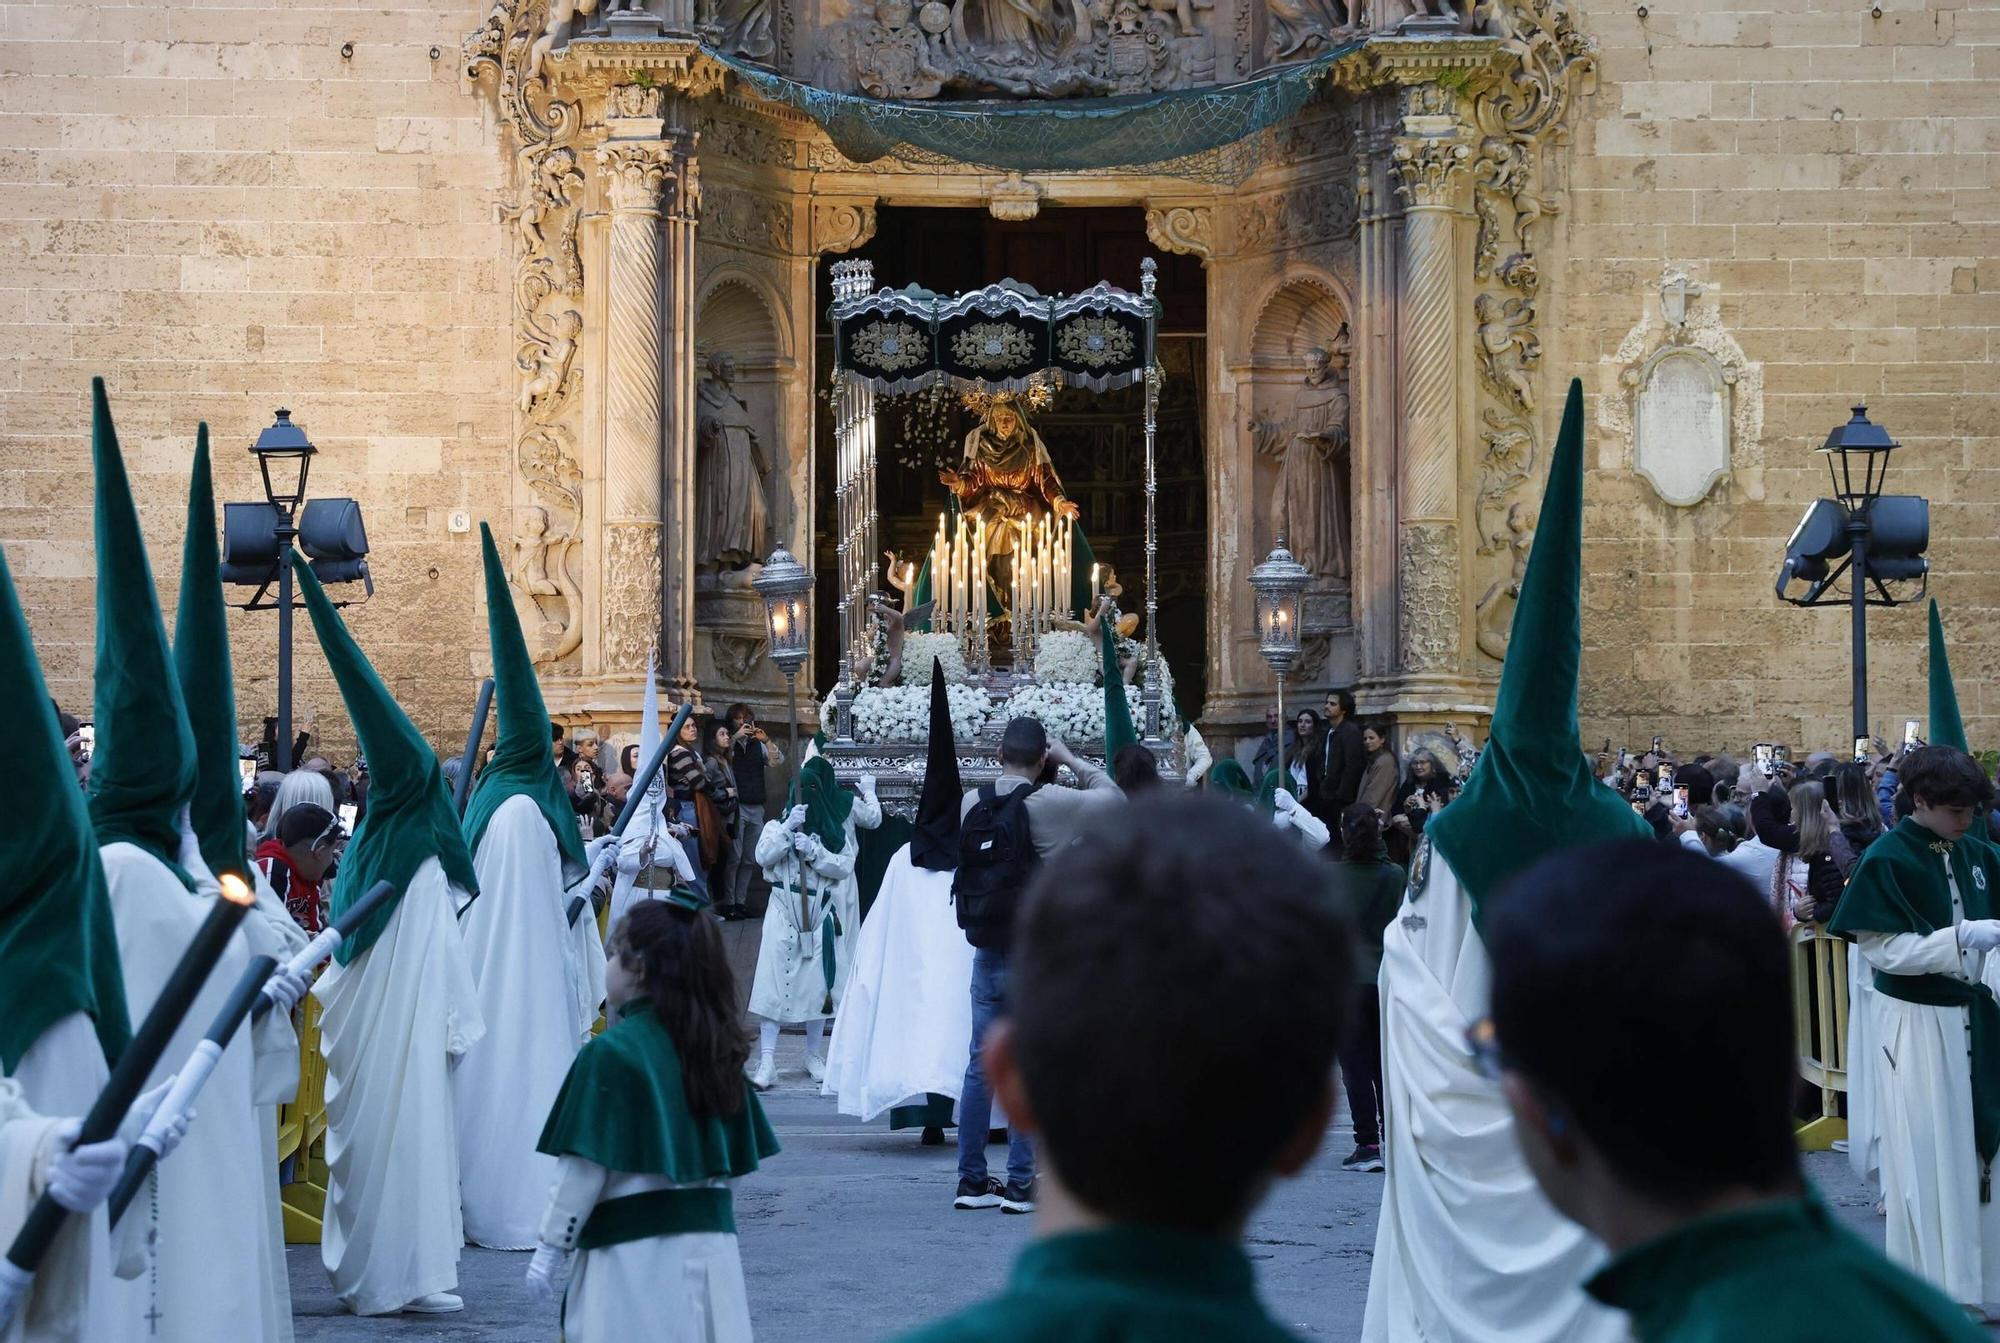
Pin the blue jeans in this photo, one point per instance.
(691, 846)
(975, 1100)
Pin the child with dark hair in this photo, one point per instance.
(1366, 887)
(1113, 1099)
(1922, 908)
(653, 1122)
(1712, 1241)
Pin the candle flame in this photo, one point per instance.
(235, 890)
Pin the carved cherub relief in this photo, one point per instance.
(1507, 345)
(546, 357)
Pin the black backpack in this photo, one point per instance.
(996, 860)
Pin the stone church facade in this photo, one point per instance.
(485, 253)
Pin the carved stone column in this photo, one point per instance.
(634, 162)
(1431, 161)
(677, 485)
(1377, 420)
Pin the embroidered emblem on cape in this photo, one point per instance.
(1420, 872)
(1979, 878)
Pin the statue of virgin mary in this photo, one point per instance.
(1005, 474)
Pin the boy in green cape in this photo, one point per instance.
(1921, 909)
(1677, 970)
(1229, 1088)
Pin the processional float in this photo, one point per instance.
(1004, 570)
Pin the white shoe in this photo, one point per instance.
(766, 1074)
(816, 1067)
(437, 1303)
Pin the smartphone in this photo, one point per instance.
(1642, 796)
(347, 812)
(1681, 801)
(1666, 778)
(87, 735)
(1909, 732)
(1860, 750)
(1624, 757)
(246, 770)
(1766, 758)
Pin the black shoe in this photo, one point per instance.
(1367, 1157)
(973, 1195)
(1018, 1198)
(995, 1137)
(933, 1136)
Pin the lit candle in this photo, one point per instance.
(1093, 585)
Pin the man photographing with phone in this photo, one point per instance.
(751, 752)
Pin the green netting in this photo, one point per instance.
(1211, 134)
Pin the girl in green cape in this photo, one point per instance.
(652, 1124)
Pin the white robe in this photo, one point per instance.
(665, 1289)
(212, 1193)
(1467, 1249)
(640, 846)
(271, 931)
(1864, 1057)
(392, 1021)
(790, 983)
(1922, 1098)
(906, 1021)
(528, 965)
(60, 1075)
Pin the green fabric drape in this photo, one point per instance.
(624, 1106)
(143, 771)
(522, 763)
(1531, 794)
(1118, 730)
(1947, 728)
(871, 859)
(410, 817)
(58, 949)
(201, 663)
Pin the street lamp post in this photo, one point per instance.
(786, 587)
(1278, 583)
(284, 455)
(1872, 538)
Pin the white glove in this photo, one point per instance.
(1286, 803)
(1979, 934)
(1282, 819)
(593, 848)
(541, 1278)
(865, 785)
(141, 1113)
(83, 1177)
(795, 819)
(803, 845)
(286, 987)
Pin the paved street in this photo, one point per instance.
(849, 1234)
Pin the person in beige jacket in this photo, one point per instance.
(1378, 777)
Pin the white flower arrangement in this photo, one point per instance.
(1067, 656)
(1071, 710)
(903, 713)
(918, 650)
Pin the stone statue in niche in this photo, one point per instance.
(744, 27)
(731, 529)
(1301, 29)
(1309, 506)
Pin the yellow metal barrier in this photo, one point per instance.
(1819, 1018)
(302, 1136)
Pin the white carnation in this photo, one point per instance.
(903, 713)
(1067, 656)
(918, 650)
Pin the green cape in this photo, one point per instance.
(58, 949)
(1267, 792)
(1118, 730)
(201, 663)
(410, 816)
(1531, 794)
(143, 771)
(1947, 728)
(623, 1107)
(522, 763)
(826, 803)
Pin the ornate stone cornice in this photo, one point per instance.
(680, 65)
(1430, 169)
(1185, 229)
(1384, 62)
(634, 171)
